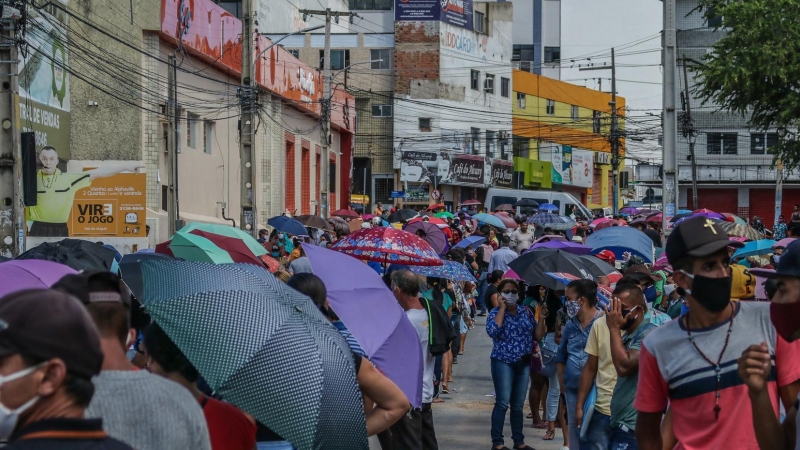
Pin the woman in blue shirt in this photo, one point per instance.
(512, 328)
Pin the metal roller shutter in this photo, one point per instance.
(762, 204)
(720, 200)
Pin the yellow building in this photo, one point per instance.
(568, 126)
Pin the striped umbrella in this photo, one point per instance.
(547, 207)
(553, 221)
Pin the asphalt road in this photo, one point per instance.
(463, 421)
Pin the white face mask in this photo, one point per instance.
(8, 417)
(510, 298)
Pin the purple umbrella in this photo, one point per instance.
(707, 214)
(370, 311)
(630, 210)
(431, 233)
(569, 247)
(20, 274)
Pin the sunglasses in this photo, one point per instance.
(509, 292)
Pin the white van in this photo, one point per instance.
(567, 204)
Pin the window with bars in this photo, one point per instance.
(520, 100)
(208, 136)
(491, 143)
(474, 80)
(575, 112)
(192, 125)
(596, 122)
(425, 124)
(382, 54)
(339, 59)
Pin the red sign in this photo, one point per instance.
(213, 34)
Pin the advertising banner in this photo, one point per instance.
(457, 12)
(467, 169)
(419, 167)
(570, 165)
(418, 193)
(101, 202)
(582, 168)
(502, 173)
(454, 12)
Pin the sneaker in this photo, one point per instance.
(455, 360)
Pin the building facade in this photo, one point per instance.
(569, 127)
(537, 37)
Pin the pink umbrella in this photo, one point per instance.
(784, 242)
(367, 216)
(608, 223)
(431, 233)
(511, 274)
(388, 245)
(507, 220)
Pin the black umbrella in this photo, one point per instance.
(597, 266)
(314, 222)
(75, 253)
(532, 266)
(526, 202)
(402, 215)
(4, 259)
(130, 269)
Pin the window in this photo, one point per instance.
(491, 144)
(721, 143)
(551, 108)
(575, 113)
(505, 87)
(475, 140)
(339, 59)
(384, 54)
(504, 149)
(488, 84)
(522, 52)
(552, 54)
(381, 110)
(295, 52)
(192, 125)
(475, 79)
(232, 6)
(424, 124)
(761, 143)
(479, 22)
(208, 136)
(714, 20)
(521, 147)
(520, 100)
(596, 122)
(366, 5)
(164, 198)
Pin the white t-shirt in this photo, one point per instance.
(523, 240)
(419, 318)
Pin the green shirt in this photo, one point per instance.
(54, 195)
(622, 412)
(448, 302)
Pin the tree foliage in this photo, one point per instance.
(755, 68)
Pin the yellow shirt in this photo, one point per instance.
(599, 345)
(54, 195)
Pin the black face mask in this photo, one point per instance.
(713, 294)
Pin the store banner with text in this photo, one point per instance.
(454, 12)
(502, 173)
(466, 169)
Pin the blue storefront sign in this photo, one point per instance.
(398, 194)
(454, 12)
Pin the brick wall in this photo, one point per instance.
(416, 53)
(374, 136)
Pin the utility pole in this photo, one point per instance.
(247, 101)
(325, 171)
(172, 146)
(687, 126)
(670, 159)
(778, 188)
(12, 208)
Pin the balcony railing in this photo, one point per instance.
(718, 174)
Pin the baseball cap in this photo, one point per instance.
(44, 323)
(788, 266)
(95, 287)
(698, 237)
(607, 255)
(744, 282)
(643, 270)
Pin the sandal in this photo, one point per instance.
(437, 400)
(445, 389)
(529, 416)
(550, 435)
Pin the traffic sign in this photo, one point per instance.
(436, 194)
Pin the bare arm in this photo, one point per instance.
(501, 314)
(648, 431)
(390, 402)
(626, 362)
(588, 374)
(668, 439)
(110, 171)
(541, 328)
(789, 393)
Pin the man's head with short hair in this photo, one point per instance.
(165, 357)
(405, 282)
(48, 156)
(505, 241)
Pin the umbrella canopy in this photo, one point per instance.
(388, 245)
(656, 217)
(474, 241)
(273, 265)
(75, 253)
(709, 213)
(508, 221)
(252, 336)
(471, 202)
(223, 230)
(450, 270)
(552, 221)
(130, 270)
(620, 240)
(436, 206)
(431, 233)
(193, 247)
(532, 265)
(783, 242)
(569, 247)
(444, 215)
(346, 213)
(735, 229)
(288, 225)
(430, 219)
(548, 207)
(339, 225)
(504, 207)
(489, 219)
(728, 217)
(609, 223)
(402, 215)
(370, 311)
(367, 216)
(755, 248)
(662, 263)
(237, 250)
(629, 210)
(551, 237)
(526, 202)
(604, 294)
(18, 275)
(314, 222)
(600, 268)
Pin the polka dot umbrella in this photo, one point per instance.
(388, 245)
(263, 347)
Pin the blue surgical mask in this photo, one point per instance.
(650, 294)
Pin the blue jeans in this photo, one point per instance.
(510, 388)
(483, 285)
(553, 397)
(572, 402)
(597, 434)
(619, 439)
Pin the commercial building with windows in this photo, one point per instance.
(537, 37)
(569, 127)
(734, 163)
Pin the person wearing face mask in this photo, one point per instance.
(627, 329)
(130, 401)
(690, 363)
(779, 230)
(777, 252)
(49, 352)
(674, 301)
(512, 330)
(580, 303)
(642, 277)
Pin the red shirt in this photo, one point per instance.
(228, 427)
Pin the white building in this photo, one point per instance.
(537, 36)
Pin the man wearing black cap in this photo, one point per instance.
(755, 365)
(690, 363)
(142, 409)
(49, 351)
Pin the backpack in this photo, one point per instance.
(440, 328)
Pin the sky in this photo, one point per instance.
(589, 29)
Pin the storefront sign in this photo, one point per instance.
(418, 193)
(502, 173)
(457, 12)
(419, 167)
(454, 12)
(602, 158)
(466, 169)
(571, 166)
(582, 168)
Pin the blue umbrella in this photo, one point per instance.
(450, 270)
(550, 220)
(755, 248)
(288, 225)
(619, 240)
(472, 240)
(489, 219)
(547, 207)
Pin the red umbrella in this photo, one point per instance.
(346, 213)
(656, 217)
(388, 245)
(236, 248)
(471, 202)
(507, 220)
(433, 220)
(436, 206)
(164, 249)
(273, 265)
(607, 224)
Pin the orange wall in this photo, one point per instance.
(560, 91)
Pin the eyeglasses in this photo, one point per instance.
(509, 292)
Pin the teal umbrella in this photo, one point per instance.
(225, 230)
(755, 248)
(489, 219)
(263, 347)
